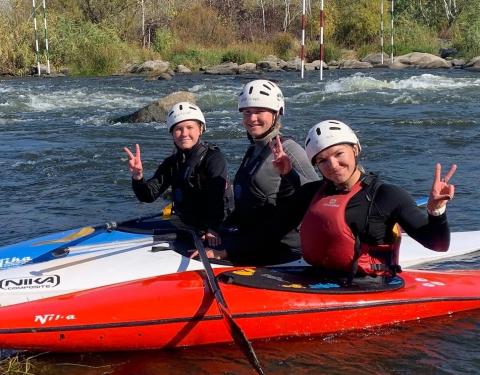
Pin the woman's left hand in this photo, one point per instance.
(211, 254)
(441, 191)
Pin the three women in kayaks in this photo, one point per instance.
(347, 222)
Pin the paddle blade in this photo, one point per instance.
(240, 339)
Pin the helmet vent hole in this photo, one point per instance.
(265, 93)
(318, 132)
(267, 87)
(180, 107)
(334, 128)
(251, 89)
(308, 141)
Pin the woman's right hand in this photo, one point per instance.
(281, 161)
(135, 162)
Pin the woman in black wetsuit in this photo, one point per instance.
(349, 219)
(196, 171)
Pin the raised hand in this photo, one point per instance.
(281, 161)
(135, 162)
(441, 191)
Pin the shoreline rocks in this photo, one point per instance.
(159, 69)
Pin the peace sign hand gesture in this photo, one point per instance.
(441, 191)
(281, 161)
(135, 162)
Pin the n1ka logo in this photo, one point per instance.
(45, 318)
(38, 282)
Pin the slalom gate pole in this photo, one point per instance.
(37, 50)
(381, 29)
(46, 36)
(321, 50)
(391, 29)
(302, 53)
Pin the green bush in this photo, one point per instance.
(17, 51)
(466, 31)
(87, 48)
(285, 46)
(410, 36)
(163, 41)
(331, 51)
(358, 22)
(241, 56)
(194, 57)
(203, 26)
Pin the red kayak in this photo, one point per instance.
(179, 310)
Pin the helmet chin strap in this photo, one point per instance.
(272, 128)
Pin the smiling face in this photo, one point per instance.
(338, 164)
(258, 121)
(186, 134)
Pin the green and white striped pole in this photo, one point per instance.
(37, 50)
(46, 36)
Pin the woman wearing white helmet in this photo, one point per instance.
(196, 172)
(258, 187)
(348, 220)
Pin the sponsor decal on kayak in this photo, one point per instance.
(38, 282)
(46, 318)
(13, 262)
(429, 283)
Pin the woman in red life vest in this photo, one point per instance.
(349, 220)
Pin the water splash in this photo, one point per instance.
(360, 82)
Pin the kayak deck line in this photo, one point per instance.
(249, 315)
(90, 259)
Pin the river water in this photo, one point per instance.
(62, 166)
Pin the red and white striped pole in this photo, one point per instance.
(302, 53)
(392, 31)
(322, 20)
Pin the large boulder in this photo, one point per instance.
(272, 63)
(376, 58)
(315, 65)
(355, 64)
(151, 67)
(182, 69)
(420, 60)
(157, 111)
(227, 68)
(473, 64)
(247, 68)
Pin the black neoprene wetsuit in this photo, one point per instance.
(198, 178)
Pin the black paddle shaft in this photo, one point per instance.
(235, 331)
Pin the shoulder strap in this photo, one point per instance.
(372, 183)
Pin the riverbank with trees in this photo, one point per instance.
(88, 37)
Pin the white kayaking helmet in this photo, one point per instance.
(262, 94)
(326, 134)
(185, 111)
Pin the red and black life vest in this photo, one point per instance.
(329, 243)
